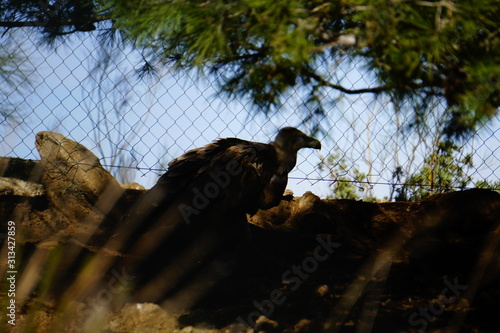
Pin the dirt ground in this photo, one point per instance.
(312, 265)
(393, 267)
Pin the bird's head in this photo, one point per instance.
(290, 138)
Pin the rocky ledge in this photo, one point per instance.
(313, 265)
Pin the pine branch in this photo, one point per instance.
(54, 23)
(326, 83)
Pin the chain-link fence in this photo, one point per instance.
(94, 95)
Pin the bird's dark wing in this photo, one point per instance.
(273, 191)
(230, 173)
(212, 186)
(197, 206)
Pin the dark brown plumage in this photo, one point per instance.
(197, 210)
(244, 176)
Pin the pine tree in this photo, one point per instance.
(418, 51)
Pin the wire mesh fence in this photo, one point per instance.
(392, 257)
(95, 95)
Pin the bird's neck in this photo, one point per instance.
(287, 158)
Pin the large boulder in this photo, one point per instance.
(23, 201)
(75, 182)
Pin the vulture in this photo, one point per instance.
(235, 175)
(203, 199)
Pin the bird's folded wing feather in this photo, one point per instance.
(236, 170)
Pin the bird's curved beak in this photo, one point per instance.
(312, 143)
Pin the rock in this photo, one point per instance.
(323, 290)
(18, 187)
(188, 329)
(306, 213)
(24, 203)
(305, 326)
(133, 186)
(237, 328)
(191, 329)
(452, 229)
(444, 237)
(142, 317)
(264, 324)
(74, 180)
(440, 233)
(19, 168)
